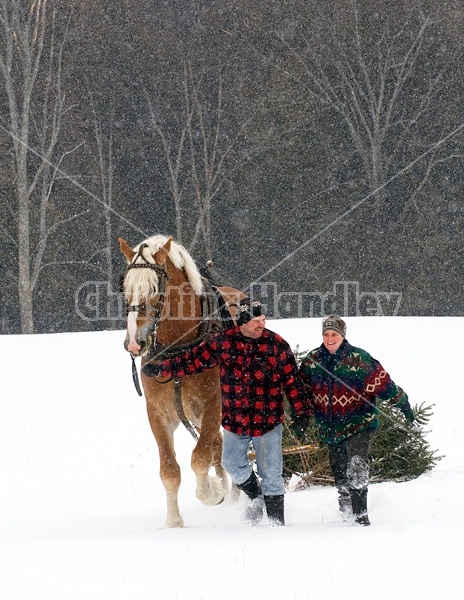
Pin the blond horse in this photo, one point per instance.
(167, 299)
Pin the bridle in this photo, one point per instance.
(154, 315)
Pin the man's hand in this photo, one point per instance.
(151, 370)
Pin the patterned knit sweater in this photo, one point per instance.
(343, 389)
(255, 374)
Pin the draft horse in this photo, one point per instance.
(171, 307)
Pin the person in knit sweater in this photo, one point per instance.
(344, 384)
(257, 370)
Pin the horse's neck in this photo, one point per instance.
(182, 312)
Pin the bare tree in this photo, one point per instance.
(385, 85)
(173, 151)
(104, 142)
(199, 161)
(31, 59)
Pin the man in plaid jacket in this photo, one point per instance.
(257, 370)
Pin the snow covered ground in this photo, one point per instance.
(82, 508)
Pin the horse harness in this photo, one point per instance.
(210, 308)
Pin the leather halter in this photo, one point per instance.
(154, 315)
(208, 323)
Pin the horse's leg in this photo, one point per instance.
(210, 490)
(221, 473)
(231, 491)
(208, 450)
(169, 467)
(171, 477)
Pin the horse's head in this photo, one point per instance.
(153, 265)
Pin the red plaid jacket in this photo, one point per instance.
(255, 375)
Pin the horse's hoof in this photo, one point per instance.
(213, 494)
(176, 523)
(211, 500)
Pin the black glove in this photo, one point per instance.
(151, 370)
(299, 425)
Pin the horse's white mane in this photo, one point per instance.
(139, 283)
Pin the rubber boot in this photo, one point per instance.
(255, 508)
(344, 503)
(275, 509)
(359, 503)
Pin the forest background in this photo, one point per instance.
(312, 150)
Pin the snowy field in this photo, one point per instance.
(82, 507)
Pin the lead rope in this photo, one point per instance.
(135, 377)
(189, 426)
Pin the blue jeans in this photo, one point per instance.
(269, 462)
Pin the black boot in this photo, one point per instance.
(359, 503)
(255, 508)
(344, 503)
(275, 509)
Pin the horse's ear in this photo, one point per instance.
(126, 250)
(161, 255)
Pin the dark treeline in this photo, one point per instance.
(313, 150)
